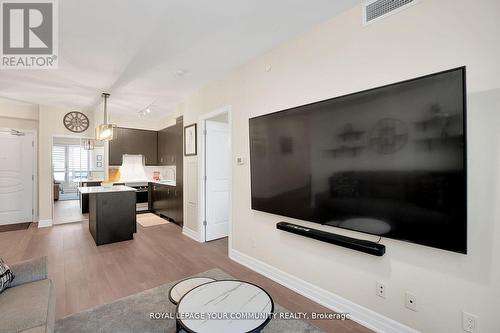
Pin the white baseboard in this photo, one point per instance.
(45, 223)
(357, 313)
(192, 234)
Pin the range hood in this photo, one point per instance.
(132, 169)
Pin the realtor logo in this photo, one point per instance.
(29, 34)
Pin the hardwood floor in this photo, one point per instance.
(67, 211)
(86, 275)
(15, 226)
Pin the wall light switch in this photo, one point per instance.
(240, 160)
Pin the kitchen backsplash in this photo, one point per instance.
(133, 169)
(166, 172)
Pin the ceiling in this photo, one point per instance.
(156, 52)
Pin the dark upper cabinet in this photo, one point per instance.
(148, 146)
(166, 142)
(134, 142)
(169, 143)
(117, 146)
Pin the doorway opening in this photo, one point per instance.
(73, 165)
(216, 175)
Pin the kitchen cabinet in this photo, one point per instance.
(169, 143)
(179, 153)
(133, 142)
(166, 200)
(163, 199)
(166, 144)
(112, 216)
(84, 198)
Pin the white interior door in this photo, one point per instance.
(16, 182)
(217, 164)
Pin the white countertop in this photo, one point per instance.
(161, 182)
(101, 189)
(83, 180)
(164, 182)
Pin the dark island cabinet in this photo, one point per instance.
(112, 216)
(133, 142)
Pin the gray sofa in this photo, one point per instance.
(28, 305)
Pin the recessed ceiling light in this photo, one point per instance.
(148, 110)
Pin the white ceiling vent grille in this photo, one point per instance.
(374, 10)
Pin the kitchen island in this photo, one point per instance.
(112, 216)
(84, 198)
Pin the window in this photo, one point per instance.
(78, 162)
(59, 163)
(69, 163)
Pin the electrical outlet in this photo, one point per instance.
(469, 322)
(411, 301)
(380, 291)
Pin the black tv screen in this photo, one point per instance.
(389, 161)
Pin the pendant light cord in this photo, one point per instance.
(105, 96)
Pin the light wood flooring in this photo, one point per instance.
(67, 211)
(86, 275)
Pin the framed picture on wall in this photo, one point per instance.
(190, 140)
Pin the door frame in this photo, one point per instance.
(34, 169)
(65, 136)
(202, 171)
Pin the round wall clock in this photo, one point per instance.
(76, 122)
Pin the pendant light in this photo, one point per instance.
(104, 132)
(88, 144)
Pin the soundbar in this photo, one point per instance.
(361, 245)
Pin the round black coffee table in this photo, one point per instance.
(224, 306)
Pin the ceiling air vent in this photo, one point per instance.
(374, 10)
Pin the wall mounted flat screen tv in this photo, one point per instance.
(389, 161)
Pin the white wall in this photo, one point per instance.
(18, 115)
(339, 57)
(50, 125)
